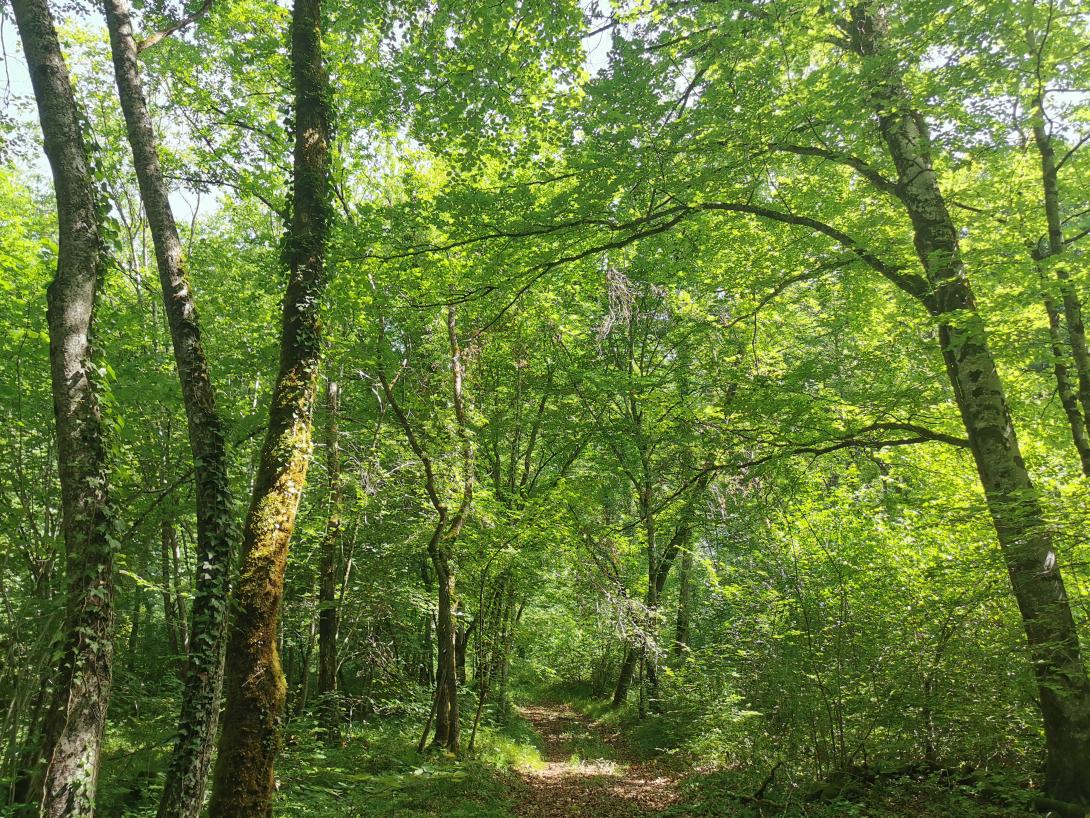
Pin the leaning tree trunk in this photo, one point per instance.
(72, 732)
(1012, 500)
(183, 793)
(328, 571)
(243, 781)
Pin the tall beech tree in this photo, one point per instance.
(71, 739)
(243, 782)
(183, 794)
(1023, 533)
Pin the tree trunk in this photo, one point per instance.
(243, 779)
(187, 771)
(447, 728)
(1023, 536)
(461, 641)
(1064, 389)
(684, 601)
(72, 733)
(328, 572)
(1076, 331)
(134, 630)
(427, 668)
(167, 543)
(624, 678)
(304, 668)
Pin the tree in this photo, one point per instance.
(448, 528)
(183, 795)
(71, 737)
(243, 778)
(1012, 499)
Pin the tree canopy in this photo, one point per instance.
(544, 408)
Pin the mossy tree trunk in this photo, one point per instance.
(243, 782)
(67, 767)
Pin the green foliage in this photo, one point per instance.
(661, 380)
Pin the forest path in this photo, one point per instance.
(589, 772)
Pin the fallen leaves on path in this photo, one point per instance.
(589, 772)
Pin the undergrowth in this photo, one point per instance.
(708, 790)
(374, 771)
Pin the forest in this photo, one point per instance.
(544, 408)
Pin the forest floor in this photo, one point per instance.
(589, 771)
(563, 754)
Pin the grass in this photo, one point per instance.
(713, 795)
(375, 771)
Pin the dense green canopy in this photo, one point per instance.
(714, 368)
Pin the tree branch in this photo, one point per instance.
(174, 27)
(885, 185)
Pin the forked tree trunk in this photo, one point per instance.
(1023, 534)
(187, 771)
(328, 572)
(658, 570)
(243, 780)
(446, 533)
(72, 730)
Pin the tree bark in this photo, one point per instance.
(328, 572)
(72, 733)
(446, 533)
(461, 642)
(684, 601)
(187, 771)
(1012, 500)
(172, 617)
(243, 780)
(447, 726)
(427, 668)
(134, 630)
(624, 678)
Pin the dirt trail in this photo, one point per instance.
(589, 772)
